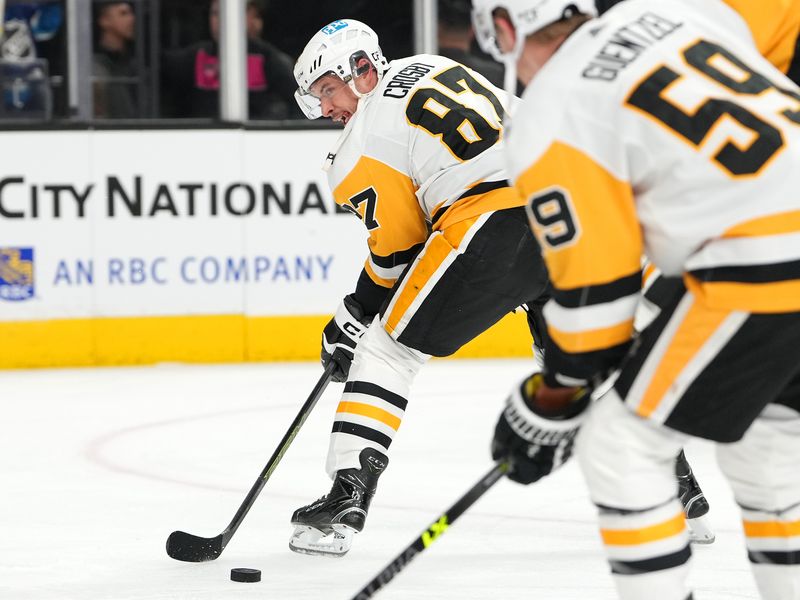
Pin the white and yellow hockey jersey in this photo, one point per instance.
(421, 152)
(660, 129)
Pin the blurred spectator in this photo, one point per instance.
(114, 69)
(255, 22)
(29, 26)
(191, 75)
(456, 36)
(31, 30)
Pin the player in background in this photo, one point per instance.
(420, 162)
(660, 129)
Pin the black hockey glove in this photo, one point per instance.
(340, 336)
(532, 443)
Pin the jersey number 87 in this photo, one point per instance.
(462, 129)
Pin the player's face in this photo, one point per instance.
(337, 100)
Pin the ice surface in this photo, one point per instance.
(100, 465)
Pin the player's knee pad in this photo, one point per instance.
(762, 466)
(377, 349)
(628, 462)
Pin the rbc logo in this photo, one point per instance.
(16, 274)
(332, 28)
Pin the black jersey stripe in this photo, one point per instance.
(484, 187)
(663, 289)
(600, 294)
(761, 273)
(370, 295)
(774, 557)
(475, 190)
(363, 432)
(401, 257)
(649, 565)
(439, 214)
(371, 389)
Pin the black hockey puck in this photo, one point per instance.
(246, 575)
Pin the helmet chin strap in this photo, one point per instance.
(510, 77)
(510, 60)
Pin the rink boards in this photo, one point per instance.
(124, 247)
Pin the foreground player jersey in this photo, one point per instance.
(775, 26)
(421, 151)
(659, 129)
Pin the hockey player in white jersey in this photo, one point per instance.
(663, 129)
(420, 161)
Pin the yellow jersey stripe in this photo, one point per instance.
(785, 222)
(774, 297)
(473, 206)
(387, 283)
(771, 529)
(697, 327)
(654, 533)
(367, 410)
(437, 249)
(593, 339)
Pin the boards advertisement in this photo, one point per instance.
(121, 247)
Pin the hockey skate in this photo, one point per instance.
(695, 505)
(326, 527)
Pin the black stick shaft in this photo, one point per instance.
(432, 533)
(193, 548)
(288, 437)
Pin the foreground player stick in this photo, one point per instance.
(192, 548)
(432, 533)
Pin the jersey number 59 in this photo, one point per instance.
(716, 63)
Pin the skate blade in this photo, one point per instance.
(312, 541)
(699, 531)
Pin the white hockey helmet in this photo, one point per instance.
(527, 17)
(335, 49)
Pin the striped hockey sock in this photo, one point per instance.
(773, 547)
(648, 550)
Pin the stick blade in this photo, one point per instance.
(191, 548)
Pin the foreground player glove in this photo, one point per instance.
(536, 437)
(341, 335)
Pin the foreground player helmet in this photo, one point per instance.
(335, 49)
(527, 17)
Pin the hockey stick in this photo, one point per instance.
(192, 548)
(432, 533)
